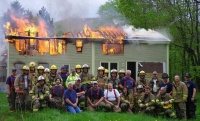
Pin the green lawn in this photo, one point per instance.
(55, 115)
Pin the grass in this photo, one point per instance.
(55, 115)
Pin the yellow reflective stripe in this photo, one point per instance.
(34, 110)
(141, 105)
(153, 101)
(31, 92)
(172, 114)
(162, 103)
(157, 100)
(146, 104)
(171, 101)
(139, 101)
(184, 95)
(33, 96)
(47, 92)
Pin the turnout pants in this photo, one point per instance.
(180, 108)
(100, 106)
(24, 101)
(112, 108)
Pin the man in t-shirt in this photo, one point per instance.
(71, 99)
(95, 97)
(166, 83)
(190, 104)
(112, 99)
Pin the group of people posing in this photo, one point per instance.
(38, 87)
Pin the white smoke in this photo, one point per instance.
(148, 34)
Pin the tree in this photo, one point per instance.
(182, 19)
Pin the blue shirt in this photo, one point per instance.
(190, 85)
(168, 87)
(64, 76)
(10, 80)
(71, 95)
(95, 94)
(130, 83)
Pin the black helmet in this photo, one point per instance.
(187, 74)
(165, 75)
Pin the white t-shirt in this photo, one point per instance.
(110, 95)
(26, 81)
(154, 86)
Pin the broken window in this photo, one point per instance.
(112, 48)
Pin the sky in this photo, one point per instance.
(59, 9)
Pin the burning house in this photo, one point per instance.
(107, 46)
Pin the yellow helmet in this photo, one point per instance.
(78, 66)
(25, 67)
(32, 64)
(101, 68)
(53, 67)
(142, 73)
(122, 71)
(113, 71)
(106, 71)
(40, 67)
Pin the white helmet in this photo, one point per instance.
(113, 71)
(85, 66)
(40, 78)
(46, 70)
(139, 87)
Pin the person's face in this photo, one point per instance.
(139, 90)
(78, 82)
(78, 70)
(40, 71)
(63, 70)
(142, 76)
(47, 73)
(147, 91)
(70, 86)
(110, 87)
(165, 79)
(125, 90)
(85, 70)
(154, 75)
(57, 81)
(101, 72)
(14, 73)
(26, 72)
(32, 68)
(73, 73)
(121, 74)
(176, 78)
(41, 82)
(114, 74)
(95, 86)
(53, 71)
(162, 91)
(128, 74)
(187, 78)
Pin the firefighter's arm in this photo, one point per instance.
(185, 93)
(124, 100)
(89, 100)
(46, 93)
(32, 94)
(140, 102)
(151, 102)
(107, 101)
(101, 99)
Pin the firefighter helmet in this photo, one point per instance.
(165, 75)
(85, 66)
(53, 67)
(113, 71)
(40, 67)
(78, 66)
(142, 73)
(25, 67)
(32, 64)
(101, 68)
(46, 70)
(106, 71)
(139, 87)
(187, 74)
(41, 78)
(122, 71)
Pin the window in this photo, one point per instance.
(105, 65)
(112, 49)
(113, 66)
(109, 65)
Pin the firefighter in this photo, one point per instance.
(52, 76)
(155, 83)
(137, 96)
(95, 97)
(112, 99)
(72, 77)
(121, 74)
(127, 101)
(22, 86)
(101, 79)
(166, 83)
(164, 103)
(78, 69)
(47, 71)
(32, 72)
(39, 94)
(106, 73)
(80, 91)
(86, 77)
(147, 101)
(114, 80)
(11, 94)
(64, 74)
(190, 104)
(128, 82)
(179, 93)
(142, 81)
(56, 95)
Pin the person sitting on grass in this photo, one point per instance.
(71, 100)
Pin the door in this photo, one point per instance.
(132, 66)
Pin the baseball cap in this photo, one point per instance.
(155, 72)
(13, 70)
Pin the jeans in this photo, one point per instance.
(73, 110)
